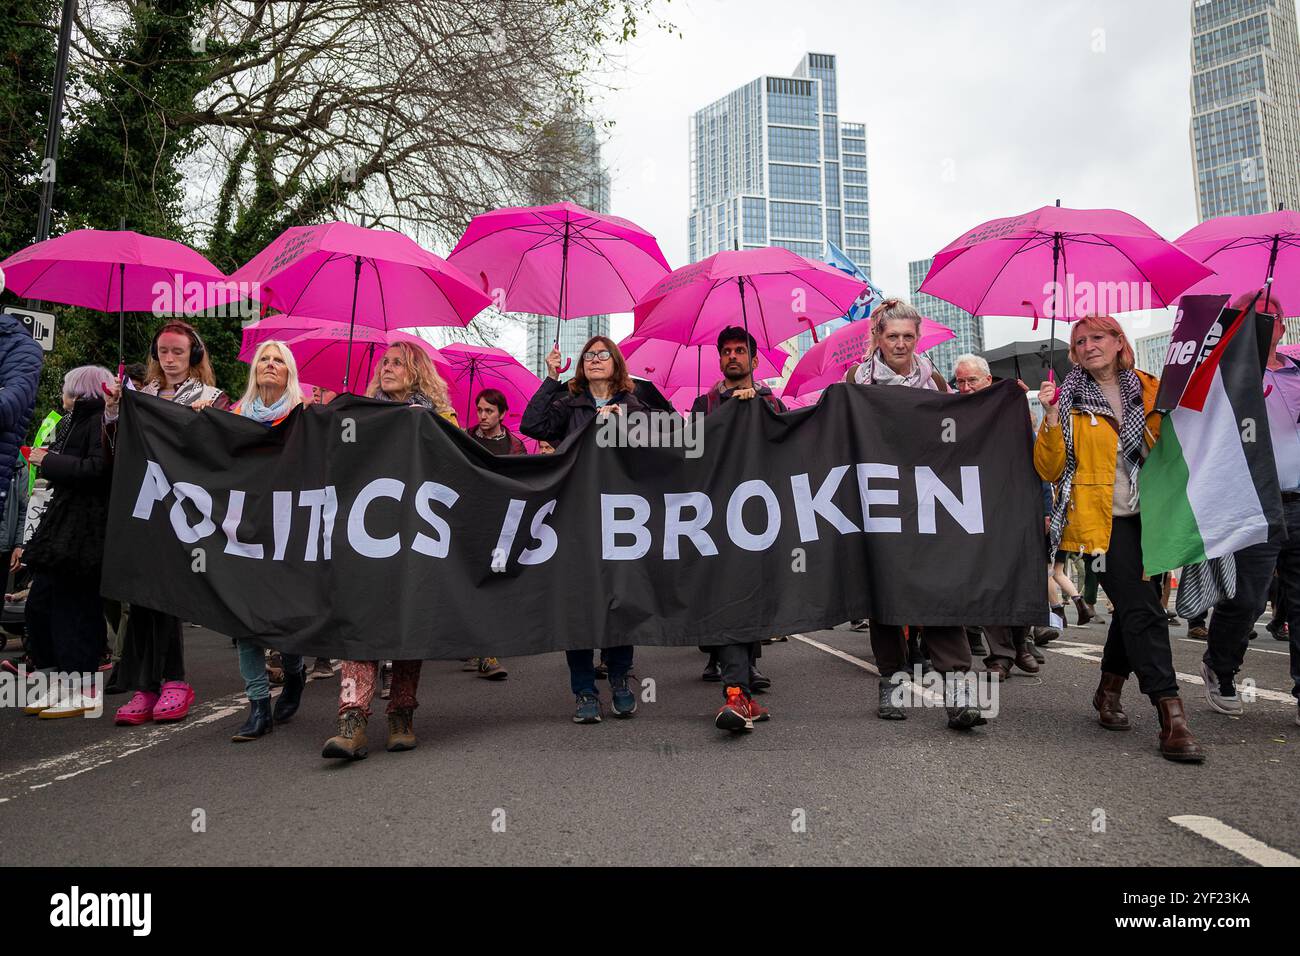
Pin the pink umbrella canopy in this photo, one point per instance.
(829, 359)
(472, 368)
(1063, 263)
(561, 260)
(671, 366)
(772, 292)
(322, 350)
(375, 277)
(109, 270)
(802, 401)
(1245, 252)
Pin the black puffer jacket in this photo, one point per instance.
(20, 372)
(70, 536)
(555, 413)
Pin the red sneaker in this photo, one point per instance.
(739, 712)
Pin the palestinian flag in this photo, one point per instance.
(1209, 487)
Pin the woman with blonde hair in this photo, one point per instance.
(271, 394)
(893, 359)
(404, 375)
(1098, 427)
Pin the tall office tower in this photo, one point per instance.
(969, 328)
(1245, 132)
(771, 164)
(591, 190)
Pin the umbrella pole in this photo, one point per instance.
(699, 360)
(1051, 349)
(744, 316)
(469, 398)
(352, 324)
(121, 323)
(564, 286)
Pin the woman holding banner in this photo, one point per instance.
(895, 331)
(405, 376)
(272, 393)
(1097, 430)
(153, 662)
(600, 386)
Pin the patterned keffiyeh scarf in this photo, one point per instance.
(875, 371)
(1081, 392)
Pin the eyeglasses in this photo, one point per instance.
(601, 356)
(969, 381)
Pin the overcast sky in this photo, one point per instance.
(974, 110)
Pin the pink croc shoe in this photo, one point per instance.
(174, 701)
(137, 710)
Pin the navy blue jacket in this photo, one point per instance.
(20, 372)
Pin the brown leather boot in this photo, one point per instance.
(1081, 608)
(350, 742)
(1025, 659)
(1110, 713)
(401, 729)
(1176, 740)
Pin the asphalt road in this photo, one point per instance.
(502, 775)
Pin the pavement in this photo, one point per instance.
(503, 776)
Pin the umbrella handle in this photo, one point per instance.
(565, 366)
(811, 328)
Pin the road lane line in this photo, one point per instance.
(1230, 838)
(1259, 650)
(1076, 649)
(917, 689)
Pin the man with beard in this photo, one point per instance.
(735, 664)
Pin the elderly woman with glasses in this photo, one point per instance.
(601, 386)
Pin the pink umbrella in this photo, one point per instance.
(670, 365)
(375, 277)
(829, 359)
(101, 269)
(1001, 267)
(771, 292)
(527, 254)
(801, 401)
(472, 368)
(324, 351)
(1247, 253)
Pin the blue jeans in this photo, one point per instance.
(582, 668)
(1233, 620)
(252, 667)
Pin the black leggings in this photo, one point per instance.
(1138, 639)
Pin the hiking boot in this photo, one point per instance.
(489, 668)
(888, 709)
(401, 729)
(350, 742)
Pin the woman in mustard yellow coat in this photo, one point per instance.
(1098, 428)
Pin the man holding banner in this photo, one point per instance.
(1233, 621)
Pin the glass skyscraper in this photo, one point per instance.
(1245, 132)
(969, 328)
(771, 164)
(592, 192)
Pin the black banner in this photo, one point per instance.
(364, 530)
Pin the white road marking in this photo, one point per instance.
(1230, 838)
(1259, 650)
(1077, 649)
(917, 690)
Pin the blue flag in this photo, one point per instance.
(871, 296)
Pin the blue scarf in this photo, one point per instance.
(259, 411)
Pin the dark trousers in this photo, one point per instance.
(65, 621)
(1281, 606)
(1004, 642)
(737, 660)
(1138, 639)
(1089, 583)
(152, 651)
(1233, 620)
(947, 646)
(582, 667)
